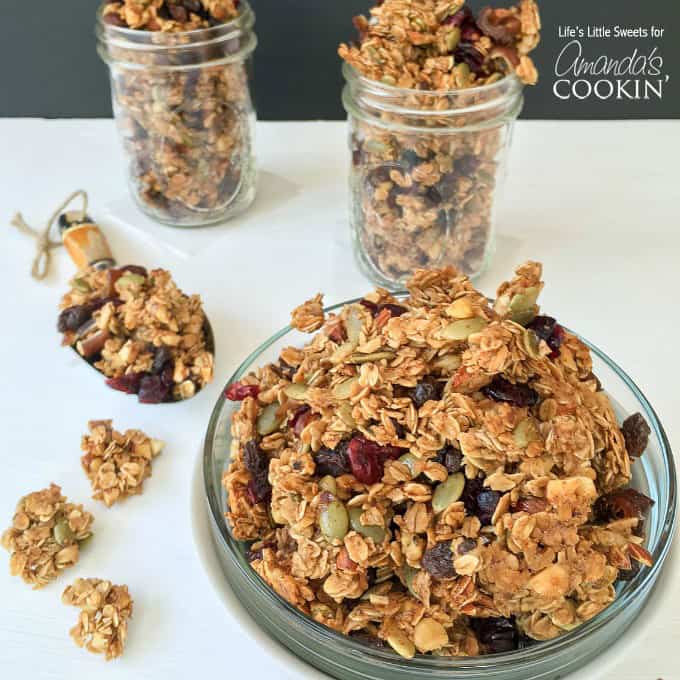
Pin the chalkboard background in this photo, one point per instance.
(49, 67)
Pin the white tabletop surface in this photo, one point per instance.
(596, 202)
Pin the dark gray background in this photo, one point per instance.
(48, 64)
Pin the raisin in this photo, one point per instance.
(469, 496)
(253, 555)
(629, 574)
(153, 389)
(467, 165)
(371, 575)
(333, 462)
(410, 159)
(555, 341)
(368, 639)
(543, 326)
(517, 394)
(467, 54)
(487, 500)
(636, 432)
(531, 505)
(256, 462)
(466, 545)
(438, 561)
(496, 634)
(621, 504)
(524, 641)
(238, 391)
(370, 306)
(451, 458)
(128, 383)
(162, 357)
(428, 389)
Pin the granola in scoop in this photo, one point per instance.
(117, 463)
(140, 331)
(104, 612)
(427, 158)
(45, 536)
(437, 472)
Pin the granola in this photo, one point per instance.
(104, 612)
(436, 472)
(45, 536)
(115, 463)
(182, 104)
(139, 330)
(424, 197)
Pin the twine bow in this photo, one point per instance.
(44, 245)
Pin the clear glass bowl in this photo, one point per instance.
(340, 656)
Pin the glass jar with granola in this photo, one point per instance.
(432, 93)
(180, 88)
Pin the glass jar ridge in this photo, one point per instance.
(426, 173)
(185, 116)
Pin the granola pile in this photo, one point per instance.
(424, 198)
(185, 112)
(437, 473)
(104, 613)
(45, 536)
(169, 16)
(115, 463)
(140, 331)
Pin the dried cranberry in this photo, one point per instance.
(496, 634)
(555, 341)
(428, 389)
(531, 505)
(178, 13)
(333, 462)
(113, 19)
(451, 458)
(394, 310)
(363, 461)
(153, 389)
(467, 54)
(239, 391)
(487, 500)
(162, 357)
(517, 394)
(543, 326)
(128, 383)
(301, 418)
(461, 16)
(438, 561)
(621, 504)
(636, 433)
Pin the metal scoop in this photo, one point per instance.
(88, 247)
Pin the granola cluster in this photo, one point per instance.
(140, 331)
(169, 16)
(45, 536)
(104, 612)
(183, 106)
(426, 159)
(115, 463)
(437, 473)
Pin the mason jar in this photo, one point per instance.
(185, 116)
(426, 174)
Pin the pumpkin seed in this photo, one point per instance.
(449, 362)
(343, 390)
(463, 329)
(297, 391)
(345, 413)
(130, 279)
(370, 531)
(409, 573)
(448, 492)
(62, 532)
(522, 308)
(453, 38)
(334, 521)
(531, 343)
(269, 420)
(389, 80)
(81, 285)
(401, 644)
(328, 483)
(525, 432)
(365, 358)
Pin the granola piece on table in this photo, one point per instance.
(45, 535)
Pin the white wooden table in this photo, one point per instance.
(596, 202)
